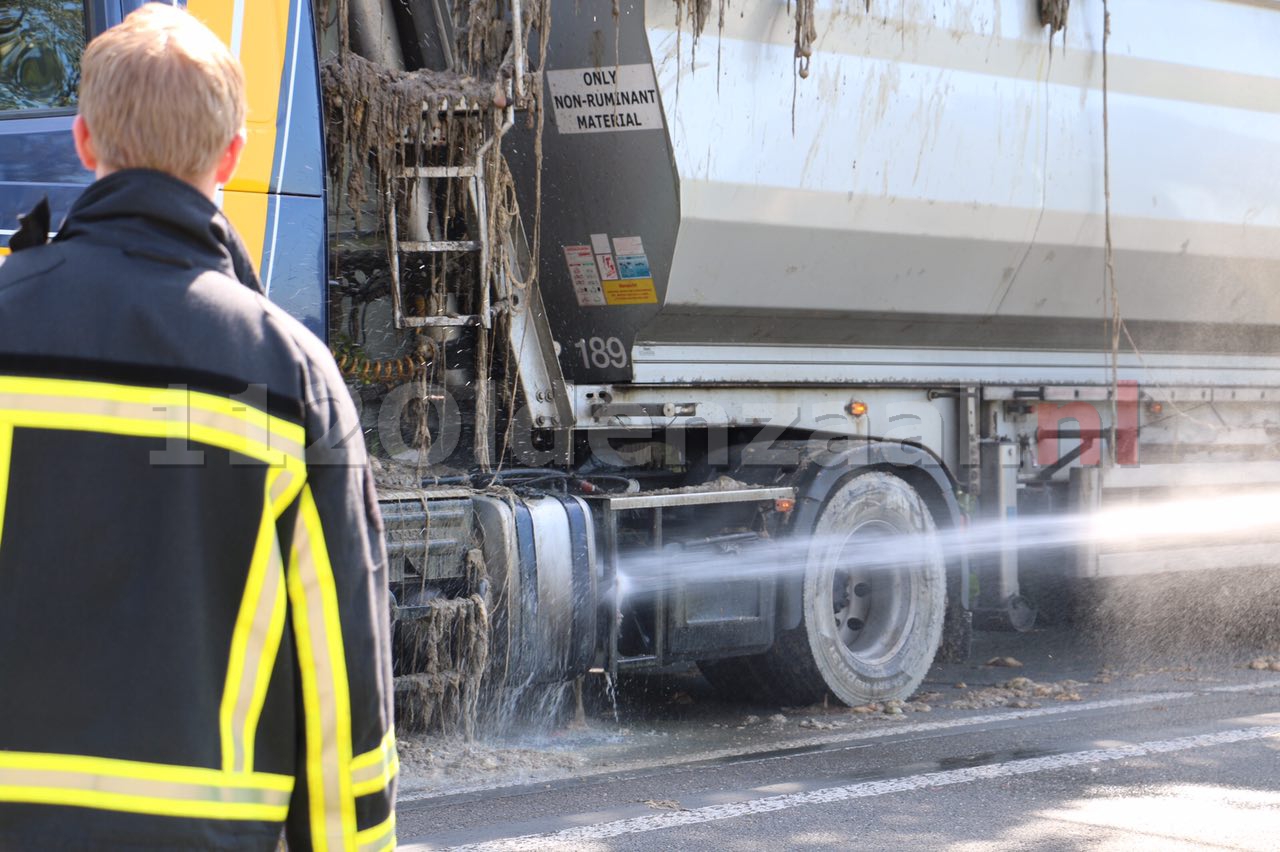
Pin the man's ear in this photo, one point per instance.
(84, 144)
(230, 159)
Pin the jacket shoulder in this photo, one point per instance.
(330, 410)
(28, 263)
(311, 350)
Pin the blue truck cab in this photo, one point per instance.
(277, 198)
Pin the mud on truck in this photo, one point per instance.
(665, 318)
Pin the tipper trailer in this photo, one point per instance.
(671, 283)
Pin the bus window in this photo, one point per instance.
(40, 46)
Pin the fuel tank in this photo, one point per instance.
(926, 206)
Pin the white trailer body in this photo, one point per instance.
(930, 200)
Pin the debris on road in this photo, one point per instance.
(1262, 664)
(664, 804)
(1003, 662)
(1020, 692)
(428, 761)
(817, 725)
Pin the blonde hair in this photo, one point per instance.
(160, 91)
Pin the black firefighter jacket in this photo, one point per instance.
(193, 606)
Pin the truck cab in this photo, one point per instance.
(277, 198)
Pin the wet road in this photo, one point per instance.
(1153, 754)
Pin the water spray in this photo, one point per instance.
(1218, 520)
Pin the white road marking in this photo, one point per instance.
(1245, 687)
(828, 795)
(886, 728)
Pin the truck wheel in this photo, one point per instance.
(869, 632)
(742, 679)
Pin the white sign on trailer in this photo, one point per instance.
(601, 100)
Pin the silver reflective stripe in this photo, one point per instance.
(240, 427)
(372, 771)
(256, 641)
(326, 696)
(381, 836)
(136, 787)
(149, 788)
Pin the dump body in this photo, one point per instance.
(928, 205)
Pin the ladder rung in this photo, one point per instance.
(445, 320)
(460, 105)
(439, 245)
(439, 172)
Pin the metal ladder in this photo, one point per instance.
(473, 177)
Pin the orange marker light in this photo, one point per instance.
(1155, 407)
(784, 504)
(857, 408)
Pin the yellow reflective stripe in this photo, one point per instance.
(323, 672)
(147, 788)
(254, 643)
(180, 398)
(152, 412)
(6, 452)
(275, 633)
(111, 766)
(372, 771)
(377, 755)
(379, 837)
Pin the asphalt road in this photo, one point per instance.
(1157, 752)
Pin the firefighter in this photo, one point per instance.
(194, 648)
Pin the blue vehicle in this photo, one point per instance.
(277, 200)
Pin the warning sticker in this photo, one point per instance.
(631, 291)
(582, 272)
(627, 245)
(602, 100)
(633, 266)
(608, 267)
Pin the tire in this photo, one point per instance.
(867, 633)
(740, 679)
(957, 636)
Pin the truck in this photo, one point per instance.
(692, 333)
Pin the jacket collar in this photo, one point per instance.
(154, 215)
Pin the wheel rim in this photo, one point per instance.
(871, 609)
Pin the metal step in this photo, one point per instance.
(693, 497)
(439, 172)
(439, 245)
(438, 321)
